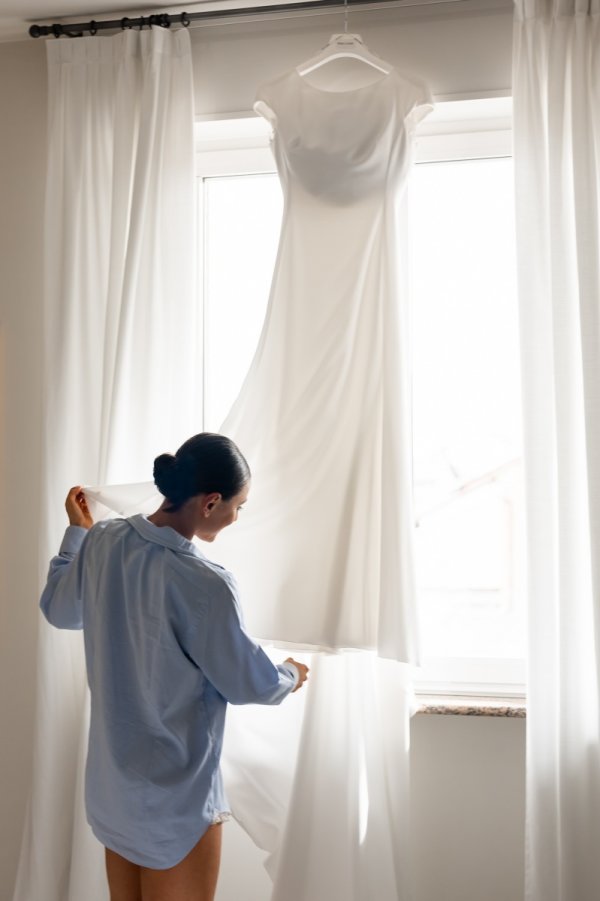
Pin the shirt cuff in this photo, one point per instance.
(292, 671)
(72, 540)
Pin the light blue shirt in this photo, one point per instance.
(165, 651)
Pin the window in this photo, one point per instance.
(466, 395)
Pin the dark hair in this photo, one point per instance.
(205, 463)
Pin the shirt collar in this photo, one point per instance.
(163, 535)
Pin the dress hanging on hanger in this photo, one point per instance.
(324, 552)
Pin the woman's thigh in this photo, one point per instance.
(123, 878)
(192, 879)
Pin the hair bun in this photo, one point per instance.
(205, 463)
(165, 474)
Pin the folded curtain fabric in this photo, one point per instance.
(119, 281)
(556, 88)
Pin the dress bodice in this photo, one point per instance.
(342, 146)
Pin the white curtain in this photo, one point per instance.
(122, 340)
(557, 159)
(322, 783)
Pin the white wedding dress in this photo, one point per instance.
(323, 550)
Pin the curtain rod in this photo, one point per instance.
(165, 20)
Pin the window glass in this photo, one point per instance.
(466, 409)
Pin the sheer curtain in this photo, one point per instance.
(557, 159)
(321, 783)
(122, 337)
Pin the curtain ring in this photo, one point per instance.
(57, 30)
(165, 20)
(126, 23)
(93, 28)
(185, 20)
(142, 22)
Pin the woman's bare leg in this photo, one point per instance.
(193, 879)
(123, 878)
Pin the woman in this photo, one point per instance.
(165, 651)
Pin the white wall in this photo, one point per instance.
(467, 809)
(467, 773)
(467, 804)
(459, 54)
(22, 179)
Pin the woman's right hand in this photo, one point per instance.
(302, 672)
(77, 509)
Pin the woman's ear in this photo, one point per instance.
(210, 502)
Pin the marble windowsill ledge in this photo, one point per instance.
(452, 706)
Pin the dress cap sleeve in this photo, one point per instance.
(263, 104)
(417, 100)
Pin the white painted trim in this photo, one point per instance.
(473, 677)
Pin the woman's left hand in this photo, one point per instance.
(77, 508)
(302, 672)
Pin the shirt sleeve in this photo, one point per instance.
(62, 598)
(233, 662)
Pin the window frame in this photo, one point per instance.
(238, 144)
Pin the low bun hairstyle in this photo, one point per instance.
(205, 464)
